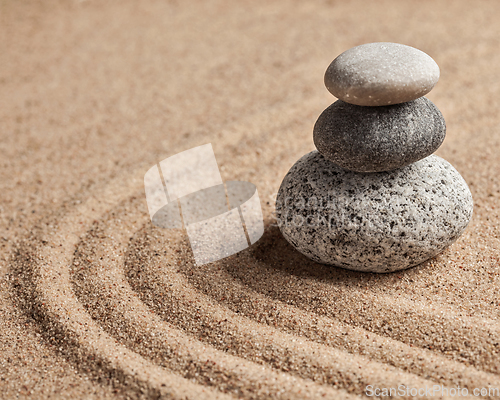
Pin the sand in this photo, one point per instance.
(96, 303)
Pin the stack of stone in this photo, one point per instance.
(373, 197)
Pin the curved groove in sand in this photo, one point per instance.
(99, 275)
(273, 285)
(179, 302)
(396, 318)
(63, 316)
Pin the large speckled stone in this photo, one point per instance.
(379, 74)
(373, 139)
(378, 222)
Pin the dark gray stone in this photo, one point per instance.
(379, 74)
(373, 139)
(377, 222)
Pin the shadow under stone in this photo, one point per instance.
(277, 254)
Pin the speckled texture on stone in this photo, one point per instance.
(380, 222)
(373, 139)
(379, 74)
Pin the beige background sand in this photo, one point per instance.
(96, 303)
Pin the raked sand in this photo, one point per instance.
(96, 303)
